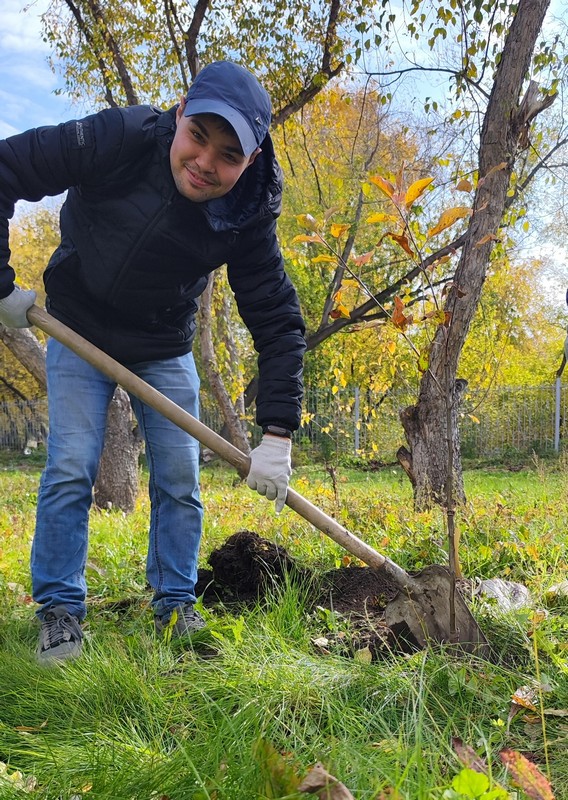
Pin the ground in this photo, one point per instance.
(350, 601)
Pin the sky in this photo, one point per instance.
(27, 83)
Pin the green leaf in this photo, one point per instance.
(470, 783)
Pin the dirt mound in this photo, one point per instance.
(359, 590)
(246, 565)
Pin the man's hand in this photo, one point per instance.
(270, 468)
(13, 308)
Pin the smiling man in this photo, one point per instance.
(156, 201)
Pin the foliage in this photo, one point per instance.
(123, 53)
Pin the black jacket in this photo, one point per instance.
(135, 254)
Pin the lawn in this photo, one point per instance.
(248, 710)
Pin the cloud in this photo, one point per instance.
(27, 83)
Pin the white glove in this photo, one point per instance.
(13, 308)
(270, 468)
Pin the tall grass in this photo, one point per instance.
(254, 703)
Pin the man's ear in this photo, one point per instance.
(253, 156)
(180, 109)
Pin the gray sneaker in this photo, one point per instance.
(60, 638)
(182, 621)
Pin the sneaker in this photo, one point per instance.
(182, 621)
(61, 636)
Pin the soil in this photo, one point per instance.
(349, 601)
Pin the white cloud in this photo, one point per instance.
(27, 83)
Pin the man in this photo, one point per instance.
(156, 201)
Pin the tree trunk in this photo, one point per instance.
(231, 419)
(426, 432)
(505, 128)
(117, 482)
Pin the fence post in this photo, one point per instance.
(356, 420)
(557, 416)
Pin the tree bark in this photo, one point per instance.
(234, 427)
(504, 131)
(117, 482)
(118, 477)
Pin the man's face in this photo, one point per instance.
(206, 156)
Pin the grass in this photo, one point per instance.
(248, 709)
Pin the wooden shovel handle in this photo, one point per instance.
(143, 391)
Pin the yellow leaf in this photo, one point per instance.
(473, 418)
(384, 185)
(464, 185)
(305, 237)
(401, 240)
(380, 217)
(343, 310)
(349, 282)
(438, 315)
(415, 190)
(448, 218)
(391, 347)
(363, 259)
(337, 230)
(489, 237)
(324, 259)
(489, 172)
(423, 362)
(307, 221)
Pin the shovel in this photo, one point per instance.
(419, 613)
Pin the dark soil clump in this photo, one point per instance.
(359, 590)
(247, 566)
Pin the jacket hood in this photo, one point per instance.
(257, 193)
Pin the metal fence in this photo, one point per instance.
(351, 422)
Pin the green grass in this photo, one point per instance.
(254, 704)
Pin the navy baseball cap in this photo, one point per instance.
(233, 93)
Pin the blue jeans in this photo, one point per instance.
(79, 396)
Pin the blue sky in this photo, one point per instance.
(27, 83)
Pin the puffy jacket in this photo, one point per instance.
(135, 254)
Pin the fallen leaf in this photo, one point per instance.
(363, 656)
(468, 756)
(527, 775)
(319, 781)
(525, 697)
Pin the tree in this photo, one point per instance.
(505, 127)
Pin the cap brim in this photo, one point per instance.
(233, 117)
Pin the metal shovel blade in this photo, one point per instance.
(422, 606)
(420, 614)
